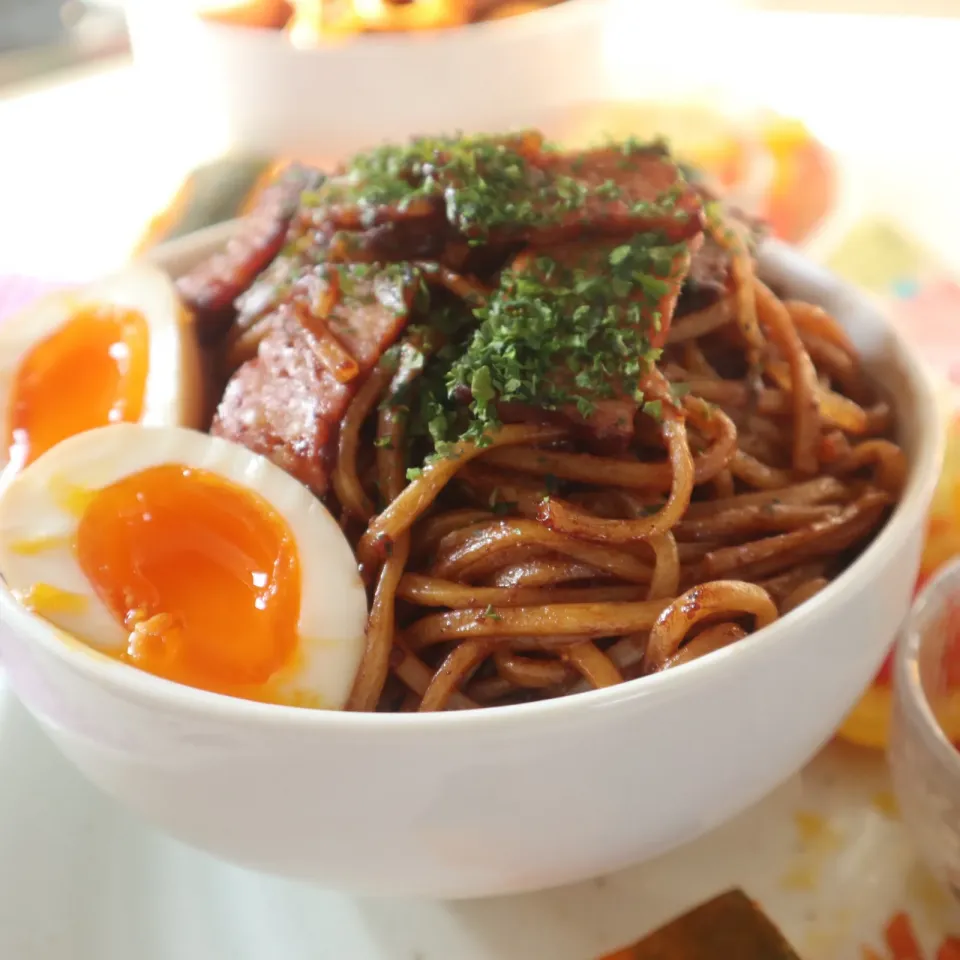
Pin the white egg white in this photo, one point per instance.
(174, 391)
(41, 508)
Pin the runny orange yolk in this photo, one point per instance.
(205, 574)
(90, 372)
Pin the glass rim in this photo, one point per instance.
(908, 688)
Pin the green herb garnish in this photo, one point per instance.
(555, 335)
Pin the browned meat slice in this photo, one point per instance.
(604, 264)
(302, 253)
(336, 207)
(269, 290)
(709, 270)
(641, 285)
(615, 191)
(210, 289)
(307, 246)
(709, 277)
(431, 199)
(558, 197)
(272, 406)
(287, 402)
(416, 238)
(396, 183)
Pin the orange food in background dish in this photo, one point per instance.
(315, 21)
(268, 14)
(514, 9)
(319, 21)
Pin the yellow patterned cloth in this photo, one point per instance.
(924, 300)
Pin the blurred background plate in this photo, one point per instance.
(268, 95)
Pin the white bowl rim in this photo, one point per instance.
(906, 669)
(125, 680)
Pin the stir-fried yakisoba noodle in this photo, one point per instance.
(571, 435)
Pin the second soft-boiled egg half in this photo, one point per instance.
(120, 350)
(191, 558)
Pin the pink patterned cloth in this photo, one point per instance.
(16, 292)
(931, 318)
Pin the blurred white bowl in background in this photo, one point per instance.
(269, 96)
(924, 764)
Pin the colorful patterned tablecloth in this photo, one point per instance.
(924, 300)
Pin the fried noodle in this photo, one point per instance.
(573, 540)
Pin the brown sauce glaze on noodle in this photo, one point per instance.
(563, 459)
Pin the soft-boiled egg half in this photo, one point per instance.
(191, 558)
(120, 350)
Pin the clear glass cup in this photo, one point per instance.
(924, 764)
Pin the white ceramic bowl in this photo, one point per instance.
(266, 95)
(512, 799)
(924, 764)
